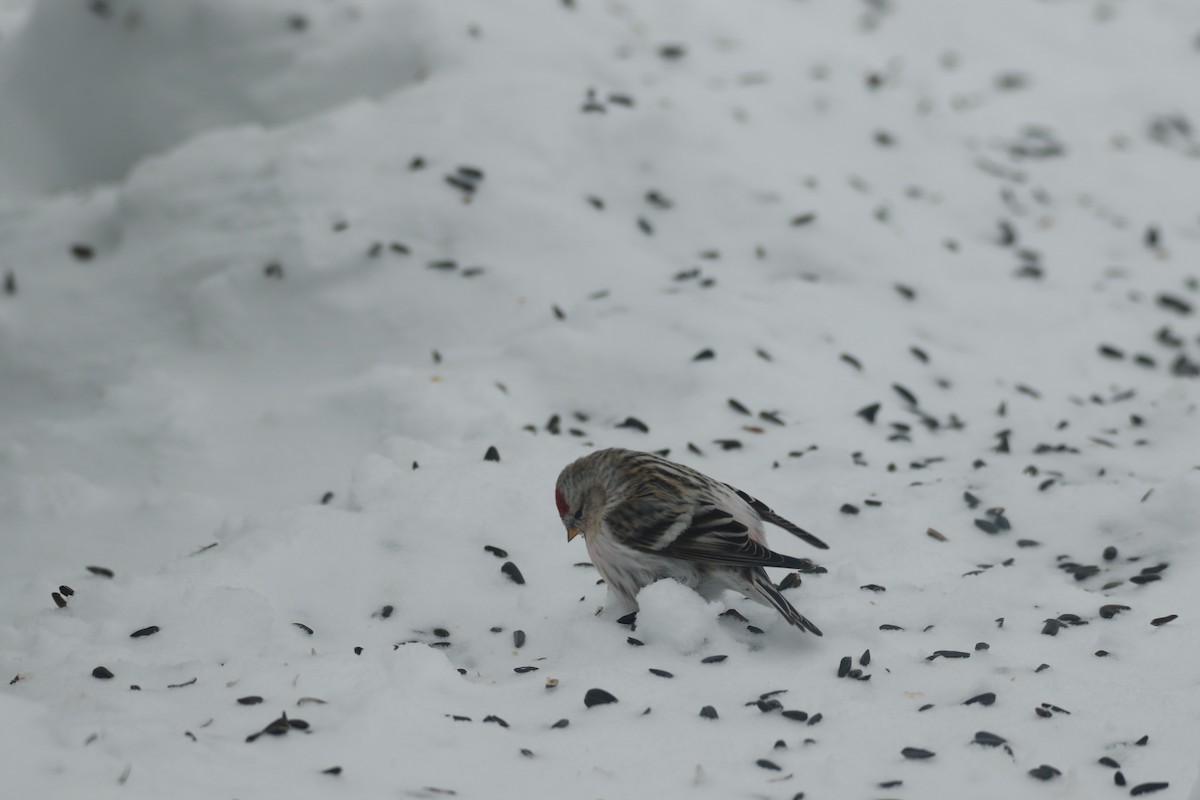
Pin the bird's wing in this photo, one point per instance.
(707, 532)
(716, 536)
(770, 516)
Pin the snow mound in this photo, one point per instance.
(143, 77)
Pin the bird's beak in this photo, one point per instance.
(572, 533)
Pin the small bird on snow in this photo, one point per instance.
(644, 518)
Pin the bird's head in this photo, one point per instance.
(571, 513)
(580, 496)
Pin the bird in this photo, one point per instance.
(644, 518)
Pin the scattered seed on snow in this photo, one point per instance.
(713, 659)
(147, 631)
(1174, 303)
(767, 764)
(790, 580)
(103, 572)
(181, 685)
(82, 252)
(461, 183)
(596, 697)
(1147, 788)
(985, 699)
(852, 361)
(304, 628)
(495, 719)
(250, 700)
(986, 526)
(1044, 773)
(798, 716)
(868, 412)
(917, 753)
(58, 600)
(708, 712)
(514, 574)
(634, 423)
(1163, 620)
(988, 739)
(103, 673)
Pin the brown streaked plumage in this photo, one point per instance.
(644, 518)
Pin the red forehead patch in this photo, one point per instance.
(560, 502)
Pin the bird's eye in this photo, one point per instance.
(578, 514)
(561, 502)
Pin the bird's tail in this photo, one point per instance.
(769, 594)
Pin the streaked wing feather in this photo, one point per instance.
(770, 516)
(648, 525)
(717, 537)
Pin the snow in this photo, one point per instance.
(225, 229)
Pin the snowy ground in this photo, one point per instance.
(276, 275)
